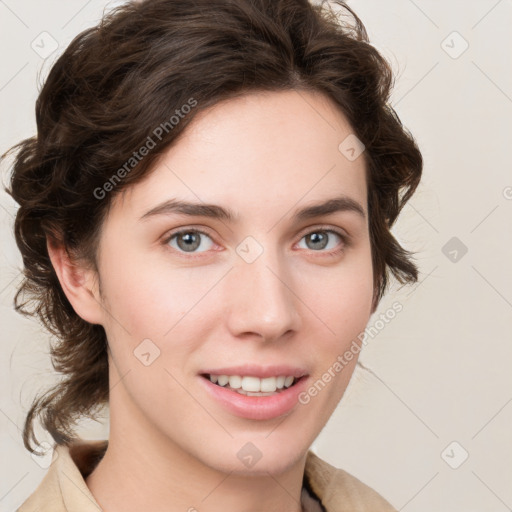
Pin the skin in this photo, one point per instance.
(171, 447)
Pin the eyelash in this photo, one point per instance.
(321, 229)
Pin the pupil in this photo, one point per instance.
(318, 238)
(191, 241)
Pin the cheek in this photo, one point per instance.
(170, 307)
(344, 309)
(152, 328)
(352, 305)
(340, 296)
(342, 301)
(148, 299)
(346, 316)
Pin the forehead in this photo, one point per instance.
(265, 152)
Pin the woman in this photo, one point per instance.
(205, 220)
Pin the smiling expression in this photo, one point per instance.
(247, 244)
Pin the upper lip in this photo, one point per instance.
(258, 371)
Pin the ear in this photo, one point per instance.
(78, 283)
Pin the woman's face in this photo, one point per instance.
(267, 288)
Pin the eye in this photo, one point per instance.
(321, 238)
(188, 240)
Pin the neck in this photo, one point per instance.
(143, 469)
(134, 476)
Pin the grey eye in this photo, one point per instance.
(188, 241)
(319, 239)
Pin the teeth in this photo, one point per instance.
(288, 382)
(222, 380)
(248, 385)
(235, 381)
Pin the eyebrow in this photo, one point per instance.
(213, 211)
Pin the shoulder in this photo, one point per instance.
(63, 486)
(340, 491)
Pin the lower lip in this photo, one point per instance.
(256, 407)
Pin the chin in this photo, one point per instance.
(256, 456)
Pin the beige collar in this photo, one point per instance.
(63, 488)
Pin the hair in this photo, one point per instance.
(119, 85)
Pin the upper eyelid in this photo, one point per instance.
(319, 227)
(305, 231)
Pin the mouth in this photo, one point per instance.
(249, 385)
(272, 394)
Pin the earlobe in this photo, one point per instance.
(78, 283)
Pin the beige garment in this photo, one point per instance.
(63, 488)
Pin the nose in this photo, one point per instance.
(261, 299)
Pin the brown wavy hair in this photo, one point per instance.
(117, 82)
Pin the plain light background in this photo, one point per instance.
(429, 425)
